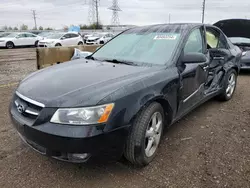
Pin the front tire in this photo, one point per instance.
(80, 43)
(10, 45)
(58, 44)
(229, 86)
(145, 136)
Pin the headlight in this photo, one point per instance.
(96, 39)
(83, 116)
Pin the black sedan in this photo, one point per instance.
(118, 100)
(238, 32)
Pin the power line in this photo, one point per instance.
(34, 17)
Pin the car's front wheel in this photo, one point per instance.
(10, 45)
(80, 43)
(145, 135)
(229, 85)
(58, 44)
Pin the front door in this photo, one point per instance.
(193, 75)
(21, 40)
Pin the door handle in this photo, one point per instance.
(218, 58)
(205, 68)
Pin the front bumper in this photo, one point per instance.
(46, 45)
(2, 44)
(92, 43)
(61, 141)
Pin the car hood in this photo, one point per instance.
(6, 38)
(246, 57)
(235, 27)
(93, 38)
(78, 83)
(48, 40)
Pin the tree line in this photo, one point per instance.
(24, 27)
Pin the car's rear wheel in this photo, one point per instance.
(80, 43)
(101, 42)
(10, 45)
(36, 43)
(145, 135)
(229, 86)
(58, 44)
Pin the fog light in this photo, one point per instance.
(78, 156)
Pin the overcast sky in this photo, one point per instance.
(57, 13)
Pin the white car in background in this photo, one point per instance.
(99, 38)
(61, 39)
(19, 39)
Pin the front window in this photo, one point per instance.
(55, 36)
(153, 47)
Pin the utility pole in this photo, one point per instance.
(203, 10)
(34, 17)
(97, 14)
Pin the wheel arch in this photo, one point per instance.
(163, 101)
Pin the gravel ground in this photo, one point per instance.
(210, 147)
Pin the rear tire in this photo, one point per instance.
(58, 44)
(229, 86)
(10, 45)
(101, 42)
(36, 43)
(144, 138)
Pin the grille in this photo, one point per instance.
(26, 107)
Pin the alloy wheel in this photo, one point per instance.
(153, 134)
(231, 85)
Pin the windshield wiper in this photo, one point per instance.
(120, 62)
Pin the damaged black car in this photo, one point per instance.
(238, 32)
(118, 101)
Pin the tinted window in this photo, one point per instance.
(149, 47)
(23, 35)
(30, 35)
(67, 35)
(73, 35)
(194, 42)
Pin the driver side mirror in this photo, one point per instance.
(194, 58)
(17, 37)
(62, 38)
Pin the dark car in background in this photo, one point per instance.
(118, 100)
(238, 32)
(4, 34)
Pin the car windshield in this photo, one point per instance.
(239, 40)
(141, 47)
(12, 35)
(55, 36)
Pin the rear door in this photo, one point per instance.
(31, 39)
(75, 38)
(220, 54)
(66, 41)
(193, 75)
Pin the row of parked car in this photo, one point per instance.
(51, 39)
